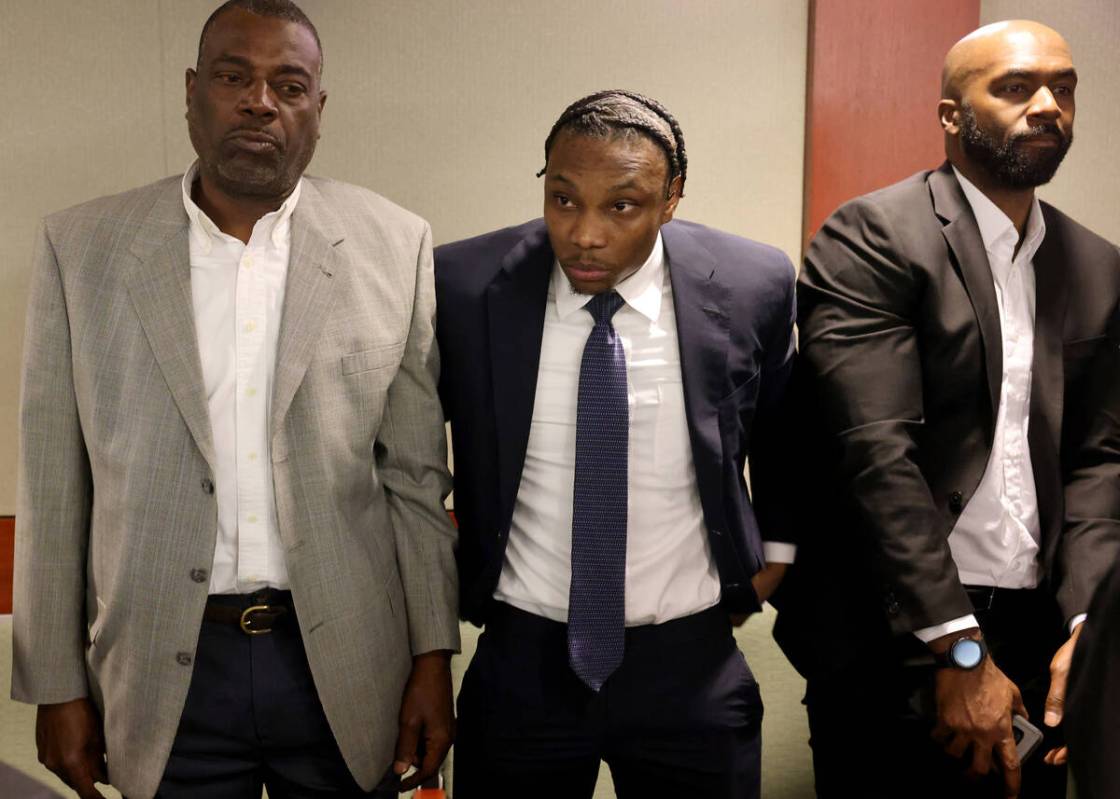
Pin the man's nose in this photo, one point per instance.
(1044, 104)
(258, 100)
(587, 233)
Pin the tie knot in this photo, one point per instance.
(603, 306)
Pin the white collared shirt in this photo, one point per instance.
(670, 571)
(238, 296)
(995, 541)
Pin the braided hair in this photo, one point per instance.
(619, 111)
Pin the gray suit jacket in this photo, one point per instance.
(114, 519)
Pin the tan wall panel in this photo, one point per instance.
(81, 97)
(1087, 186)
(442, 106)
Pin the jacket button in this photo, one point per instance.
(183, 658)
(207, 485)
(956, 502)
(891, 604)
(199, 575)
(717, 532)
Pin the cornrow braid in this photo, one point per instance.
(601, 113)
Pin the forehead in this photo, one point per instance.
(240, 33)
(623, 156)
(1021, 51)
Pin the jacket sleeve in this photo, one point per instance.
(412, 462)
(1091, 538)
(54, 502)
(857, 301)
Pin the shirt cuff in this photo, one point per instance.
(778, 552)
(1076, 620)
(927, 634)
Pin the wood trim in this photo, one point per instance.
(7, 556)
(873, 82)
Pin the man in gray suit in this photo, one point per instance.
(233, 565)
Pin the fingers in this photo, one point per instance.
(1017, 706)
(433, 756)
(1009, 765)
(1056, 698)
(407, 739)
(1057, 757)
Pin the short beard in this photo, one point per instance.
(1009, 163)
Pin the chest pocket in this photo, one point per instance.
(376, 358)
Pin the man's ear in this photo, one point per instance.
(949, 115)
(674, 197)
(191, 79)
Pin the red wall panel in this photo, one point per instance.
(873, 85)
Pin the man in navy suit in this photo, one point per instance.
(606, 373)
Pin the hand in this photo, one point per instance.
(427, 720)
(766, 581)
(1056, 699)
(68, 736)
(974, 711)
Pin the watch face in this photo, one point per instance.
(967, 653)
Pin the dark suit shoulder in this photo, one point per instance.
(760, 269)
(1073, 231)
(470, 264)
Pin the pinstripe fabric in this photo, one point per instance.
(114, 519)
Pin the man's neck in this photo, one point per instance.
(1016, 203)
(234, 216)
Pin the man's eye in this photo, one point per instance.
(1014, 88)
(1065, 91)
(229, 78)
(562, 200)
(293, 89)
(623, 205)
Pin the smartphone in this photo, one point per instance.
(1027, 737)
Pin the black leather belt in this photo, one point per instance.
(988, 597)
(255, 614)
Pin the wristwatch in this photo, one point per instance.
(965, 653)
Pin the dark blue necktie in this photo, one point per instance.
(596, 602)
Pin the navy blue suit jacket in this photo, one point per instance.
(734, 302)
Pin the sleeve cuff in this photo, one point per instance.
(778, 552)
(927, 634)
(1076, 620)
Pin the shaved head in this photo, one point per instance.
(994, 45)
(1007, 105)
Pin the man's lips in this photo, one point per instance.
(583, 271)
(254, 141)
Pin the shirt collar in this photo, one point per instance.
(273, 226)
(996, 228)
(641, 291)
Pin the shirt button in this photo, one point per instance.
(183, 658)
(252, 456)
(251, 392)
(247, 262)
(207, 485)
(250, 327)
(199, 575)
(251, 518)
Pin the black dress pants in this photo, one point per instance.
(869, 740)
(680, 717)
(253, 719)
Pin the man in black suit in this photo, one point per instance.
(606, 373)
(950, 326)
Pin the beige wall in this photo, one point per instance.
(1087, 187)
(441, 105)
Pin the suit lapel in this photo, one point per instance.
(308, 296)
(703, 336)
(160, 289)
(1048, 378)
(515, 303)
(963, 236)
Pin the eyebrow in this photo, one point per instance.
(1027, 74)
(241, 61)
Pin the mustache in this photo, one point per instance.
(1040, 131)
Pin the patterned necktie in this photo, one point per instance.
(596, 603)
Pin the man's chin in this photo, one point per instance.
(251, 180)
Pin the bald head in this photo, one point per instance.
(1000, 45)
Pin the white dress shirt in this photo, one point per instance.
(995, 541)
(670, 571)
(238, 295)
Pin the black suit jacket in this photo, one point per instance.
(902, 365)
(734, 311)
